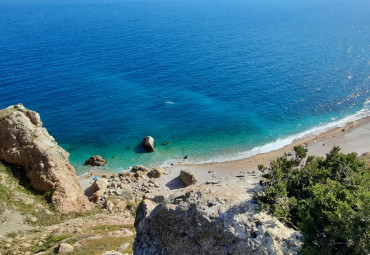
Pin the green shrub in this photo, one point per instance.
(327, 199)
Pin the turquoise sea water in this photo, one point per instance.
(217, 80)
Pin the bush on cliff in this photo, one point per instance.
(327, 199)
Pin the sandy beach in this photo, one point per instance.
(351, 137)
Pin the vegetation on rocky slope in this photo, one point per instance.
(17, 195)
(328, 199)
(29, 224)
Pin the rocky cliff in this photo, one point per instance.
(24, 142)
(219, 217)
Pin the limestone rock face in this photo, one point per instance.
(157, 172)
(148, 144)
(96, 160)
(24, 142)
(188, 177)
(215, 218)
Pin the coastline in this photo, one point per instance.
(345, 136)
(351, 137)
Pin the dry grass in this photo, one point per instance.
(98, 246)
(50, 242)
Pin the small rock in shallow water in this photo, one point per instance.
(96, 160)
(139, 168)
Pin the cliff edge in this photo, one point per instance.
(218, 217)
(24, 142)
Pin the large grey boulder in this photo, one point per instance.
(188, 177)
(216, 218)
(148, 144)
(24, 142)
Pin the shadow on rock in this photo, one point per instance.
(88, 192)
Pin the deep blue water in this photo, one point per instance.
(240, 74)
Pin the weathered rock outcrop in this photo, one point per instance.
(148, 144)
(215, 218)
(157, 172)
(96, 160)
(188, 177)
(99, 184)
(24, 142)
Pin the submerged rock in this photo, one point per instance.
(188, 177)
(139, 168)
(148, 144)
(24, 142)
(212, 219)
(96, 160)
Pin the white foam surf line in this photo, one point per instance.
(282, 142)
(113, 170)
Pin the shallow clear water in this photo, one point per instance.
(211, 78)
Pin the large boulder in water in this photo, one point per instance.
(24, 142)
(216, 218)
(148, 144)
(96, 160)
